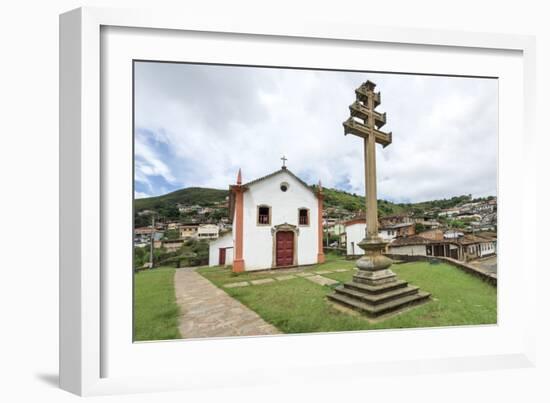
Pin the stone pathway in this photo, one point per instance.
(310, 275)
(321, 280)
(207, 311)
(488, 264)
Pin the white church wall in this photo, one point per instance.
(258, 239)
(225, 241)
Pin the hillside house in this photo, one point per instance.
(392, 231)
(173, 226)
(208, 231)
(188, 230)
(172, 245)
(435, 243)
(395, 219)
(450, 212)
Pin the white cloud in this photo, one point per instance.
(148, 162)
(141, 195)
(214, 120)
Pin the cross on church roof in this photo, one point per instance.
(284, 159)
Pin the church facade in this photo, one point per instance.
(277, 222)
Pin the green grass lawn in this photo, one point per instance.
(155, 308)
(300, 306)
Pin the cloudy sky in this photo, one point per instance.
(196, 125)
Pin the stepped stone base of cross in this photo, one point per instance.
(375, 290)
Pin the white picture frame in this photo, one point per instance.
(86, 346)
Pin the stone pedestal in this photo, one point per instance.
(375, 290)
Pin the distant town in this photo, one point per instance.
(460, 228)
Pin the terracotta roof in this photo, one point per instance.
(144, 230)
(420, 240)
(179, 240)
(470, 239)
(433, 234)
(361, 220)
(489, 235)
(393, 226)
(356, 220)
(413, 240)
(395, 216)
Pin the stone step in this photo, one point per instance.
(376, 289)
(388, 278)
(381, 309)
(377, 299)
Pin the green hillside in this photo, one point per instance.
(189, 196)
(353, 202)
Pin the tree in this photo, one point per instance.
(219, 214)
(172, 234)
(140, 256)
(457, 224)
(141, 220)
(418, 227)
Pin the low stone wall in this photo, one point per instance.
(488, 277)
(408, 258)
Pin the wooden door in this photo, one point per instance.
(285, 248)
(454, 253)
(222, 257)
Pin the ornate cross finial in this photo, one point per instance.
(239, 178)
(364, 121)
(284, 159)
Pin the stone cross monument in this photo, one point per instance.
(375, 289)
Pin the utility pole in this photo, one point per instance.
(152, 243)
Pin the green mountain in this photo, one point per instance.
(189, 196)
(353, 202)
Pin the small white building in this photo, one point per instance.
(409, 250)
(221, 250)
(357, 228)
(450, 212)
(276, 222)
(188, 230)
(173, 226)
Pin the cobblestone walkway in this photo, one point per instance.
(207, 311)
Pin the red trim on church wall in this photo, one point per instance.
(238, 261)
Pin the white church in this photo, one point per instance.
(277, 222)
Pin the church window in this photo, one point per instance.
(284, 186)
(264, 215)
(303, 216)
